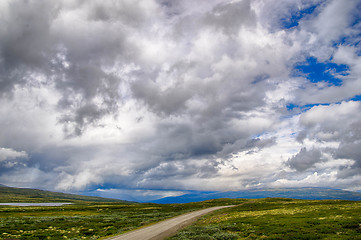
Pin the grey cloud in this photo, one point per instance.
(91, 83)
(169, 101)
(82, 56)
(226, 98)
(336, 123)
(184, 141)
(349, 151)
(227, 18)
(331, 28)
(348, 172)
(25, 41)
(301, 136)
(187, 151)
(38, 40)
(195, 141)
(333, 22)
(11, 159)
(180, 170)
(242, 144)
(262, 143)
(230, 17)
(74, 168)
(225, 89)
(199, 133)
(173, 8)
(274, 13)
(129, 12)
(175, 153)
(8, 153)
(168, 91)
(305, 159)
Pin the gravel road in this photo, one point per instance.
(165, 228)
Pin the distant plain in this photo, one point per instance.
(97, 218)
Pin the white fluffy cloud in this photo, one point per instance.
(9, 154)
(177, 95)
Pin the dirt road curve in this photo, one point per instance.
(165, 228)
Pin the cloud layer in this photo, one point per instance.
(174, 95)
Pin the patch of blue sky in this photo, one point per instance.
(352, 40)
(296, 16)
(304, 108)
(356, 98)
(316, 71)
(357, 20)
(342, 41)
(295, 108)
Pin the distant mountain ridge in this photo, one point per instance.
(296, 193)
(11, 194)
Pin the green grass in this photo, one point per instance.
(280, 219)
(89, 220)
(10, 194)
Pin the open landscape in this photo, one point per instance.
(88, 220)
(180, 119)
(265, 218)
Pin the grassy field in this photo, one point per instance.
(280, 219)
(272, 218)
(89, 220)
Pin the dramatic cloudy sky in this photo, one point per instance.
(141, 99)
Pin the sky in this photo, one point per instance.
(144, 99)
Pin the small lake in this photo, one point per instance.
(34, 204)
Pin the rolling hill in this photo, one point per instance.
(295, 193)
(11, 194)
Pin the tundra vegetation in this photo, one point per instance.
(94, 218)
(279, 218)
